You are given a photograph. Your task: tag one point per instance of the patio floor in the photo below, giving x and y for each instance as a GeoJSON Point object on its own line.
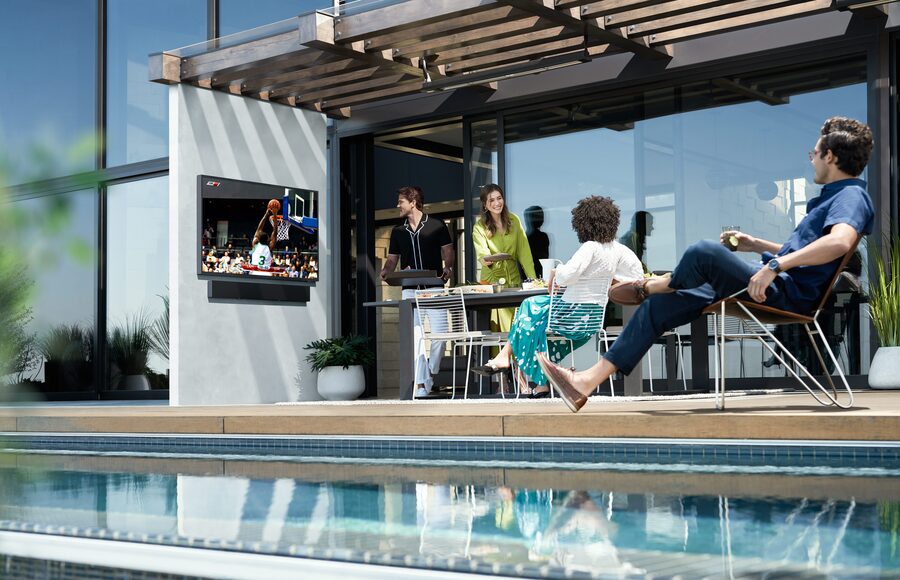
{"type": "Point", "coordinates": [875, 417]}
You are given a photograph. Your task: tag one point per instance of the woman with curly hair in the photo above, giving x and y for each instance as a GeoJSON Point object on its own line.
{"type": "Point", "coordinates": [500, 232]}
{"type": "Point", "coordinates": [595, 220]}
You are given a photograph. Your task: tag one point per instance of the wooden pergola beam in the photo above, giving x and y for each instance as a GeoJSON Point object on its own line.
{"type": "Point", "coordinates": [331, 70]}
{"type": "Point", "coordinates": [329, 63]}
{"type": "Point", "coordinates": [405, 16]}
{"type": "Point", "coordinates": [407, 37]}
{"type": "Point", "coordinates": [514, 56]}
{"type": "Point", "coordinates": [671, 8]}
{"type": "Point", "coordinates": [316, 78]}
{"type": "Point", "coordinates": [279, 46]}
{"type": "Point", "coordinates": [501, 46]}
{"type": "Point", "coordinates": [592, 27]}
{"type": "Point", "coordinates": [319, 31]}
{"type": "Point", "coordinates": [451, 41]}
{"type": "Point", "coordinates": [794, 10]}
{"type": "Point", "coordinates": [703, 16]}
{"type": "Point", "coordinates": [165, 68]}
{"type": "Point", "coordinates": [293, 61]}
{"type": "Point", "coordinates": [604, 7]}
{"type": "Point", "coordinates": [394, 91]}
{"type": "Point", "coordinates": [259, 77]}
{"type": "Point", "coordinates": [306, 96]}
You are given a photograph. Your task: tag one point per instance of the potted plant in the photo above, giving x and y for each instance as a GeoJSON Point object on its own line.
{"type": "Point", "coordinates": [339, 362]}
{"type": "Point", "coordinates": [158, 331]}
{"type": "Point", "coordinates": [67, 351]}
{"type": "Point", "coordinates": [129, 351]}
{"type": "Point", "coordinates": [884, 310]}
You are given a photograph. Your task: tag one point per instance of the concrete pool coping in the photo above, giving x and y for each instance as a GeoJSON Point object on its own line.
{"type": "Point", "coordinates": [783, 416]}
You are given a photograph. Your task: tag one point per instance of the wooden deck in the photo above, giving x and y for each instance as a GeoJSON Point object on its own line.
{"type": "Point", "coordinates": [875, 417]}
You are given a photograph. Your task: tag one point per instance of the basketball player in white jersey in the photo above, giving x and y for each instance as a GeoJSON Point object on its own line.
{"type": "Point", "coordinates": [263, 244]}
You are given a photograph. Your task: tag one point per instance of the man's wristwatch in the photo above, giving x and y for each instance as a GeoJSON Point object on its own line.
{"type": "Point", "coordinates": [774, 266]}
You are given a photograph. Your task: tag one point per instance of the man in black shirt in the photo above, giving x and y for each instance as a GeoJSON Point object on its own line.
{"type": "Point", "coordinates": [421, 242]}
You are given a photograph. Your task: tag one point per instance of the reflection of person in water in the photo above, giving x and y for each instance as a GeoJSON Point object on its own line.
{"type": "Point", "coordinates": [635, 239]}
{"type": "Point", "coordinates": [538, 240]}
{"type": "Point", "coordinates": [579, 536]}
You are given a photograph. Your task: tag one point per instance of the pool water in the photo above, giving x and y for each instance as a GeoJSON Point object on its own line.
{"type": "Point", "coordinates": [531, 522]}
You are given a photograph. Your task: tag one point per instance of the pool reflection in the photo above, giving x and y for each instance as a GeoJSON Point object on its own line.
{"type": "Point", "coordinates": [620, 523]}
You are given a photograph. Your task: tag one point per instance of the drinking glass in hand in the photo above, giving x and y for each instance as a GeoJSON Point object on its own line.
{"type": "Point", "coordinates": [731, 241]}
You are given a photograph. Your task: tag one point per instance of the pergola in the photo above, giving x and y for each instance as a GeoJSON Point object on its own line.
{"type": "Point", "coordinates": [331, 62]}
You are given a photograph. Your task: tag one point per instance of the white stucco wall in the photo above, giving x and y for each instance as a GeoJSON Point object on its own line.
{"type": "Point", "coordinates": [232, 352]}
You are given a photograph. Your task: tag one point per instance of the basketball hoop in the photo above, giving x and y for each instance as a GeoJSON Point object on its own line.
{"type": "Point", "coordinates": [283, 230]}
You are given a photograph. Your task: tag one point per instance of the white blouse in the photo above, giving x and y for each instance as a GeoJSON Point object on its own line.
{"type": "Point", "coordinates": [585, 273]}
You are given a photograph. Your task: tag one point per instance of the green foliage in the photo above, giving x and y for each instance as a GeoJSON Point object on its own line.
{"type": "Point", "coordinates": [884, 292]}
{"type": "Point", "coordinates": [342, 351]}
{"type": "Point", "coordinates": [129, 346]}
{"type": "Point", "coordinates": [889, 521]}
{"type": "Point", "coordinates": [16, 344]}
{"type": "Point", "coordinates": [159, 331]}
{"type": "Point", "coordinates": [66, 343]}
{"type": "Point", "coordinates": [30, 237]}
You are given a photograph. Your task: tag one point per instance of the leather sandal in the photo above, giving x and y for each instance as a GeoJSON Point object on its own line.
{"type": "Point", "coordinates": [488, 370]}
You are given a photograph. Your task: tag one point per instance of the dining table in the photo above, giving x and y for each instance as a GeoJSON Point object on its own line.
{"type": "Point", "coordinates": [479, 305]}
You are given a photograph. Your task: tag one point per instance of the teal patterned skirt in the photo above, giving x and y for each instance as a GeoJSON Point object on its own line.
{"type": "Point", "coordinates": [528, 335]}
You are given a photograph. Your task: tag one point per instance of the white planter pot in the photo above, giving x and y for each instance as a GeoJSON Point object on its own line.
{"type": "Point", "coordinates": [340, 384]}
{"type": "Point", "coordinates": [135, 383]}
{"type": "Point", "coordinates": [884, 373]}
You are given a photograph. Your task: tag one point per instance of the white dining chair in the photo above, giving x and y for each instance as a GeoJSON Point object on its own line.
{"type": "Point", "coordinates": [442, 317]}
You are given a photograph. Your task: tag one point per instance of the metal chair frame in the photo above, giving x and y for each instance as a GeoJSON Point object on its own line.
{"type": "Point", "coordinates": [765, 316]}
{"type": "Point", "coordinates": [452, 302]}
{"type": "Point", "coordinates": [557, 328]}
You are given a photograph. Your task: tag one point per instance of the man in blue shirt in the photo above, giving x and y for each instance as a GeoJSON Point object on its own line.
{"type": "Point", "coordinates": [792, 276]}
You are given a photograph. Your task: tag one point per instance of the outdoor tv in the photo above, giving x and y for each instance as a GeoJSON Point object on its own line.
{"type": "Point", "coordinates": [257, 232]}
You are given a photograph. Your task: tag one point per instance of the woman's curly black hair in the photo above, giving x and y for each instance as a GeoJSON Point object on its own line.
{"type": "Point", "coordinates": [596, 219]}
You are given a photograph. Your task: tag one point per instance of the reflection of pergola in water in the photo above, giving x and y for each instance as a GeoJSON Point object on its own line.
{"type": "Point", "coordinates": [331, 62]}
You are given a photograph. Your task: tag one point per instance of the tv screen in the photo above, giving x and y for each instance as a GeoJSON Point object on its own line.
{"type": "Point", "coordinates": [257, 232]}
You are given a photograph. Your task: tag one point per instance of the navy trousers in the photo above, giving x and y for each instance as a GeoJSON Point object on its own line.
{"type": "Point", "coordinates": [707, 273]}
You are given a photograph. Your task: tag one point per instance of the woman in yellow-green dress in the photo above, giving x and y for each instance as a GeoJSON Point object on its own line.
{"type": "Point", "coordinates": [498, 231]}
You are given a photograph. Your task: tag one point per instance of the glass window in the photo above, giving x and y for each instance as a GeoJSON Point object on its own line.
{"type": "Point", "coordinates": [684, 162]}
{"type": "Point", "coordinates": [483, 168]}
{"type": "Point", "coordinates": [58, 241]}
{"type": "Point", "coordinates": [239, 15]}
{"type": "Point", "coordinates": [137, 110]}
{"type": "Point", "coordinates": [137, 284]}
{"type": "Point", "coordinates": [726, 160]}
{"type": "Point", "coordinates": [49, 73]}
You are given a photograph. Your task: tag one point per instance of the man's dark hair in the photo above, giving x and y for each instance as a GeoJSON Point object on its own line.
{"type": "Point", "coordinates": [264, 239]}
{"type": "Point", "coordinates": [595, 219]}
{"type": "Point", "coordinates": [848, 140]}
{"type": "Point", "coordinates": [413, 195]}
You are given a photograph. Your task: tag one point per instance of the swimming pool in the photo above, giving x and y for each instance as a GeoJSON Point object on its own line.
{"type": "Point", "coordinates": [644, 514]}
